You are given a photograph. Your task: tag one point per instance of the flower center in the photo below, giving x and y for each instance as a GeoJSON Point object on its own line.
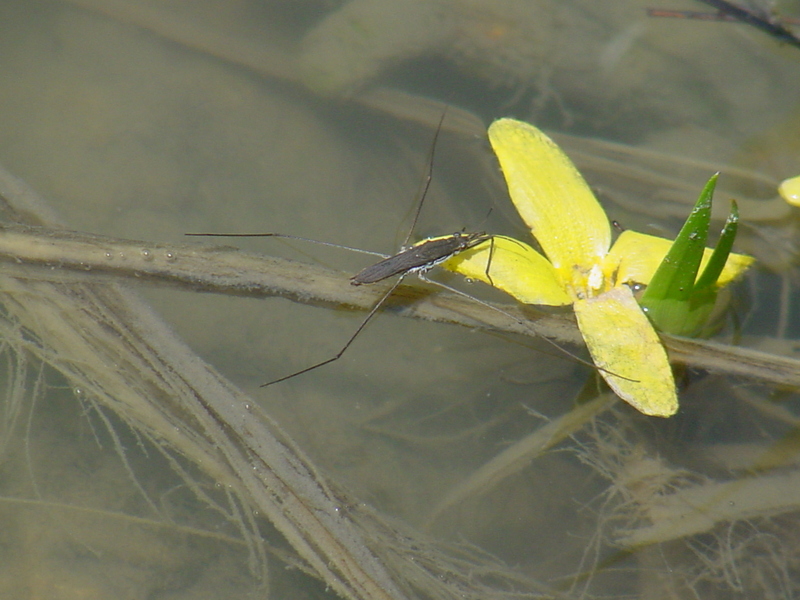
{"type": "Point", "coordinates": [587, 283]}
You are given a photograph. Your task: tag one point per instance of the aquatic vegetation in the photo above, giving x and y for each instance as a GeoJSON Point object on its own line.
{"type": "Point", "coordinates": [580, 266]}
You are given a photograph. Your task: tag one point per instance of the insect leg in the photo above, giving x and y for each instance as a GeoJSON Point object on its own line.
{"type": "Point", "coordinates": [373, 311]}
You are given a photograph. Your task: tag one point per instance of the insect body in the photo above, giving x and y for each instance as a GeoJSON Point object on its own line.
{"type": "Point", "coordinates": [419, 258]}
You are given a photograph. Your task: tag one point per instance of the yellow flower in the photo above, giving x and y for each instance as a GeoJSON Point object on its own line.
{"type": "Point", "coordinates": [581, 267]}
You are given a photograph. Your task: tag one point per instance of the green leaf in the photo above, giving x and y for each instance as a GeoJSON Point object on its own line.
{"type": "Point", "coordinates": [674, 279]}
{"type": "Point", "coordinates": [720, 255]}
{"type": "Point", "coordinates": [672, 300]}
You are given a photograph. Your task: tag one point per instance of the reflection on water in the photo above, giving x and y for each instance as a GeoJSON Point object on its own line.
{"type": "Point", "coordinates": [146, 120]}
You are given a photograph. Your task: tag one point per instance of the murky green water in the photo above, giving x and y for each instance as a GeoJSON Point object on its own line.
{"type": "Point", "coordinates": [148, 119]}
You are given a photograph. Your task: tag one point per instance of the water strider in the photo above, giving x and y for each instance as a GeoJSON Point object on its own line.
{"type": "Point", "coordinates": [417, 258]}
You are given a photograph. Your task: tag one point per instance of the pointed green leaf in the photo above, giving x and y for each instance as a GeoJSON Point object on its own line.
{"type": "Point", "coordinates": [672, 300]}
{"type": "Point", "coordinates": [720, 255]}
{"type": "Point", "coordinates": [674, 279]}
{"type": "Point", "coordinates": [704, 295]}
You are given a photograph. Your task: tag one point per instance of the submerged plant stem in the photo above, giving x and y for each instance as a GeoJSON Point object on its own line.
{"type": "Point", "coordinates": [57, 255]}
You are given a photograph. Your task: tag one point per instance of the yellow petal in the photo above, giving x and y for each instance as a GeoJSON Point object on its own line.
{"type": "Point", "coordinates": [514, 267]}
{"type": "Point", "coordinates": [636, 256]}
{"type": "Point", "coordinates": [622, 341]}
{"type": "Point", "coordinates": [551, 196]}
{"type": "Point", "coordinates": [789, 190]}
{"type": "Point", "coordinates": [734, 266]}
